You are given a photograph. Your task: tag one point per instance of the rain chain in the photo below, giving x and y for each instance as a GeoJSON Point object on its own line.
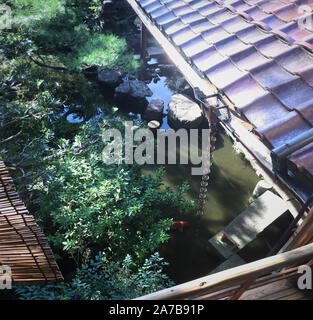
{"type": "Point", "coordinates": [205, 179]}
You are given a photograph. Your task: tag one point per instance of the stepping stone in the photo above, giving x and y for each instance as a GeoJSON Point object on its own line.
{"type": "Point", "coordinates": [249, 224]}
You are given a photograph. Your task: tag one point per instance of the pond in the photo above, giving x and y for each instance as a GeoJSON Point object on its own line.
{"type": "Point", "coordinates": [231, 183]}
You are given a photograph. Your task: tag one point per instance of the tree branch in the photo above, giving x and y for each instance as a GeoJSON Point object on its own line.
{"type": "Point", "coordinates": [41, 64]}
{"type": "Point", "coordinates": [13, 122]}
{"type": "Point", "coordinates": [44, 65]}
{"type": "Point", "coordinates": [11, 138]}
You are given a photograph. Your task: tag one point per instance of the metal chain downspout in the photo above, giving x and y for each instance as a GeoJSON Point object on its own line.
{"type": "Point", "coordinates": [208, 161]}
{"type": "Point", "coordinates": [205, 179]}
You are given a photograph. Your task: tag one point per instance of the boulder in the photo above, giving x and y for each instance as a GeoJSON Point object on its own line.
{"type": "Point", "coordinates": [154, 110]}
{"type": "Point", "coordinates": [184, 113]}
{"type": "Point", "coordinates": [133, 88]}
{"type": "Point", "coordinates": [181, 84]}
{"type": "Point", "coordinates": [145, 75]}
{"type": "Point", "coordinates": [109, 77]}
{"type": "Point", "coordinates": [131, 95]}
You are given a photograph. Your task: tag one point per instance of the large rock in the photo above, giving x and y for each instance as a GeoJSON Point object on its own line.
{"type": "Point", "coordinates": [109, 77]}
{"type": "Point", "coordinates": [131, 95]}
{"type": "Point", "coordinates": [154, 110]}
{"type": "Point", "coordinates": [133, 88]}
{"type": "Point", "coordinates": [181, 84]}
{"type": "Point", "coordinates": [183, 113]}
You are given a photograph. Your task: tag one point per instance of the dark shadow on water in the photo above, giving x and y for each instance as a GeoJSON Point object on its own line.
{"type": "Point", "coordinates": [230, 186]}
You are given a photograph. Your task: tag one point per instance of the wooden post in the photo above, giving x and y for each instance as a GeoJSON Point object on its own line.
{"type": "Point", "coordinates": [143, 42]}
{"type": "Point", "coordinates": [242, 289]}
{"type": "Point", "coordinates": [303, 235]}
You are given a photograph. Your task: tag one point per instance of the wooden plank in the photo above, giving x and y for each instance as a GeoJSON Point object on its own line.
{"type": "Point", "coordinates": [259, 215]}
{"type": "Point", "coordinates": [279, 290]}
{"type": "Point", "coordinates": [251, 222]}
{"type": "Point", "coordinates": [302, 235]}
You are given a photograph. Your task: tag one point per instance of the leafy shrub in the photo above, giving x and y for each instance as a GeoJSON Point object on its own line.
{"type": "Point", "coordinates": [103, 50]}
{"type": "Point", "coordinates": [95, 206]}
{"type": "Point", "coordinates": [105, 281]}
{"type": "Point", "coordinates": [83, 205]}
{"type": "Point", "coordinates": [69, 30]}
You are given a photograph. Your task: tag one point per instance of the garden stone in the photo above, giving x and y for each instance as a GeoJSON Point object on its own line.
{"type": "Point", "coordinates": [184, 113]}
{"type": "Point", "coordinates": [109, 77]}
{"type": "Point", "coordinates": [154, 110]}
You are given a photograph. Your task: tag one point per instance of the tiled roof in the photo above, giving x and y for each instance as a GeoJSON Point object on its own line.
{"type": "Point", "coordinates": [254, 52]}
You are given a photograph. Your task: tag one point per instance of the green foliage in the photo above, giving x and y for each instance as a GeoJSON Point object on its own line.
{"type": "Point", "coordinates": [30, 80]}
{"type": "Point", "coordinates": [103, 50]}
{"type": "Point", "coordinates": [68, 29]}
{"type": "Point", "coordinates": [14, 44]}
{"type": "Point", "coordinates": [96, 206]}
{"type": "Point", "coordinates": [30, 122]}
{"type": "Point", "coordinates": [105, 281]}
{"type": "Point", "coordinates": [83, 205]}
{"type": "Point", "coordinates": [29, 12]}
{"type": "Point", "coordinates": [33, 104]}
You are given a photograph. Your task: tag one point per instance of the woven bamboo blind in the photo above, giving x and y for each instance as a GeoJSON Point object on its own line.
{"type": "Point", "coordinates": [23, 246]}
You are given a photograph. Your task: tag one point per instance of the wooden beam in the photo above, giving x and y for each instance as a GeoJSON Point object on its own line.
{"type": "Point", "coordinates": [143, 41]}
{"type": "Point", "coordinates": [303, 235]}
{"type": "Point", "coordinates": [233, 276]}
{"type": "Point", "coordinates": [261, 281]}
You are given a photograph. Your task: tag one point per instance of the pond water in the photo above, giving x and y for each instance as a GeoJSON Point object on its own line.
{"type": "Point", "coordinates": [232, 180]}
{"type": "Point", "coordinates": [231, 184]}
{"type": "Point", "coordinates": [161, 90]}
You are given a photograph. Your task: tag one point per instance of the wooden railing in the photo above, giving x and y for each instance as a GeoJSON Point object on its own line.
{"type": "Point", "coordinates": [232, 278]}
{"type": "Point", "coordinates": [302, 236]}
